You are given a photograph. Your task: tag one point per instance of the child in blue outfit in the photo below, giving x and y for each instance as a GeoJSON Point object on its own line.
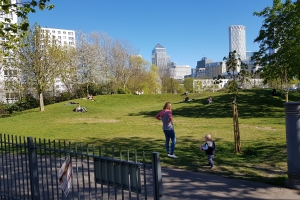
{"type": "Point", "coordinates": [209, 147]}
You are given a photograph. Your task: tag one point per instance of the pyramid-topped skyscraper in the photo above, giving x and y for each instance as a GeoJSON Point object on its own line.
{"type": "Point", "coordinates": [160, 57]}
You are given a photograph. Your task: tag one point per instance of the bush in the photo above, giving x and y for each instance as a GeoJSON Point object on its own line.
{"type": "Point", "coordinates": [3, 108]}
{"type": "Point", "coordinates": [123, 91]}
{"type": "Point", "coordinates": [28, 102]}
{"type": "Point", "coordinates": [65, 96]}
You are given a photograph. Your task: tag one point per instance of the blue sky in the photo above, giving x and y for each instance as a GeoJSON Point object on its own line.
{"type": "Point", "coordinates": [188, 29]}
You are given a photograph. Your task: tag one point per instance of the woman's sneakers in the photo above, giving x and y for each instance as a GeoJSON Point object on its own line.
{"type": "Point", "coordinates": [172, 155]}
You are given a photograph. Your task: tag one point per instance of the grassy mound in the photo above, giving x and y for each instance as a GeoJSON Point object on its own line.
{"type": "Point", "coordinates": [127, 121]}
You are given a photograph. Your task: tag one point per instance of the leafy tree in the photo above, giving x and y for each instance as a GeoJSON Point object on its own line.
{"type": "Point", "coordinates": [12, 32]}
{"type": "Point", "coordinates": [189, 84]}
{"type": "Point", "coordinates": [151, 83]}
{"type": "Point", "coordinates": [41, 60]}
{"type": "Point", "coordinates": [172, 86]}
{"type": "Point", "coordinates": [280, 32]}
{"type": "Point", "coordinates": [239, 74]}
{"type": "Point", "coordinates": [139, 68]}
{"type": "Point", "coordinates": [198, 87]}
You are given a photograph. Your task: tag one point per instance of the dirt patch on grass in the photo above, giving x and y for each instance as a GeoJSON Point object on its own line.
{"type": "Point", "coordinates": [88, 120]}
{"type": "Point", "coordinates": [268, 128]}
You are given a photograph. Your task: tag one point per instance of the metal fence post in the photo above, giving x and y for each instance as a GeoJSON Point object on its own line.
{"type": "Point", "coordinates": [292, 119]}
{"type": "Point", "coordinates": [157, 178]}
{"type": "Point", "coordinates": [33, 170]}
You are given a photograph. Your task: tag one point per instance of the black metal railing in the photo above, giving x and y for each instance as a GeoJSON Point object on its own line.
{"type": "Point", "coordinates": [30, 168]}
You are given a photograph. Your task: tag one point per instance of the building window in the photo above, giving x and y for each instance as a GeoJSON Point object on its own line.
{"type": "Point", "coordinates": [64, 32]}
{"type": "Point", "coordinates": [71, 43]}
{"type": "Point", "coordinates": [64, 37]}
{"type": "Point", "coordinates": [58, 32]}
{"type": "Point", "coordinates": [70, 33]}
{"type": "Point", "coordinates": [59, 37]}
{"type": "Point", "coordinates": [11, 73]}
{"type": "Point", "coordinates": [12, 96]}
{"type": "Point", "coordinates": [53, 31]}
{"type": "Point", "coordinates": [71, 38]}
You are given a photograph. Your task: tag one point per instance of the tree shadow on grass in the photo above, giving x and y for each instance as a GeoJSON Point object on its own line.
{"type": "Point", "coordinates": [257, 161]}
{"type": "Point", "coordinates": [251, 104]}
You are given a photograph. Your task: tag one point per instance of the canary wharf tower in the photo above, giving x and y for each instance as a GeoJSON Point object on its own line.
{"type": "Point", "coordinates": [160, 57]}
{"type": "Point", "coordinates": [237, 40]}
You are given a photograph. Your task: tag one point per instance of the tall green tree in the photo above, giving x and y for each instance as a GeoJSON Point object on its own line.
{"type": "Point", "coordinates": [279, 33]}
{"type": "Point", "coordinates": [41, 61]}
{"type": "Point", "coordinates": [189, 84]}
{"type": "Point", "coordinates": [13, 32]}
{"type": "Point", "coordinates": [151, 84]}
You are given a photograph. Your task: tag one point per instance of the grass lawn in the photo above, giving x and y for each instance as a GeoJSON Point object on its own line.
{"type": "Point", "coordinates": [127, 121]}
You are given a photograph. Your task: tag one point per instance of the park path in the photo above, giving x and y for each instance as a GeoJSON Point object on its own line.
{"type": "Point", "coordinates": [183, 184]}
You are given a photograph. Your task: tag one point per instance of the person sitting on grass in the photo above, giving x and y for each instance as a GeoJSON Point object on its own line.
{"type": "Point", "coordinates": [209, 100]}
{"type": "Point", "coordinates": [186, 99]}
{"type": "Point", "coordinates": [90, 97]}
{"type": "Point", "coordinates": [209, 147]}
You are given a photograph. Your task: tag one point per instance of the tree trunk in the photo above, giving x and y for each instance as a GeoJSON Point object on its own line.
{"type": "Point", "coordinates": [236, 129]}
{"type": "Point", "coordinates": [42, 108]}
{"type": "Point", "coordinates": [87, 90]}
{"type": "Point", "coordinates": [286, 96]}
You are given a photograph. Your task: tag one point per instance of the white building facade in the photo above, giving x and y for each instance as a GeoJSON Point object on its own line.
{"type": "Point", "coordinates": [180, 71]}
{"type": "Point", "coordinates": [9, 77]}
{"type": "Point", "coordinates": [237, 40]}
{"type": "Point", "coordinates": [64, 37]}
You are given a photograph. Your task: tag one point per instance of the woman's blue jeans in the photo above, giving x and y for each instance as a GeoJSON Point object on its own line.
{"type": "Point", "coordinates": [170, 135]}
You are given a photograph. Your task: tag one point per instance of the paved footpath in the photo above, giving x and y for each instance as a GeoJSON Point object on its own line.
{"type": "Point", "coordinates": [182, 184]}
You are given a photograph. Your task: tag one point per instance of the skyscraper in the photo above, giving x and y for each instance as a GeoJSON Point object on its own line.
{"type": "Point", "coordinates": [160, 57]}
{"type": "Point", "coordinates": [237, 40]}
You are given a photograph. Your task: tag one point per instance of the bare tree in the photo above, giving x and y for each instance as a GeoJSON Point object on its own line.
{"type": "Point", "coordinates": [89, 57]}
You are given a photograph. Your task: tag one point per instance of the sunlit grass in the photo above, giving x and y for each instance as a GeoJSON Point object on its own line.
{"type": "Point", "coordinates": [127, 121]}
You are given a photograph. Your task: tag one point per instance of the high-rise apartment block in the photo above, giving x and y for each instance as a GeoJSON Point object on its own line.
{"type": "Point", "coordinates": [9, 76]}
{"type": "Point", "coordinates": [160, 57]}
{"type": "Point", "coordinates": [62, 36]}
{"type": "Point", "coordinates": [237, 40]}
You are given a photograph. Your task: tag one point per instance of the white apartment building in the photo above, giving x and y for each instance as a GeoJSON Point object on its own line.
{"type": "Point", "coordinates": [9, 77]}
{"type": "Point", "coordinates": [63, 37]}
